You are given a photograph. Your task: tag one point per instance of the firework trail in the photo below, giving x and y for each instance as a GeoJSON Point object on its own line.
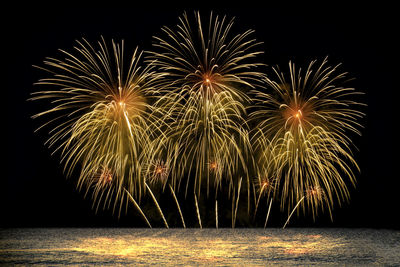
{"type": "Point", "coordinates": [156, 171]}
{"type": "Point", "coordinates": [216, 214]}
{"type": "Point", "coordinates": [100, 117]}
{"type": "Point", "coordinates": [302, 132]}
{"type": "Point", "coordinates": [137, 207]}
{"type": "Point", "coordinates": [197, 211]}
{"type": "Point", "coordinates": [157, 205]}
{"type": "Point", "coordinates": [178, 206]}
{"type": "Point", "coordinates": [269, 209]}
{"type": "Point", "coordinates": [266, 186]}
{"type": "Point", "coordinates": [206, 73]}
{"type": "Point", "coordinates": [237, 204]}
{"type": "Point", "coordinates": [316, 194]}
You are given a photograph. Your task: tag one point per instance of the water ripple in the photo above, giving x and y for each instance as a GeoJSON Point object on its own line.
{"type": "Point", "coordinates": [193, 247]}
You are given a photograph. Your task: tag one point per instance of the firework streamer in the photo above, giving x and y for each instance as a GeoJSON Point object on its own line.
{"type": "Point", "coordinates": [198, 211]}
{"type": "Point", "coordinates": [316, 194]}
{"type": "Point", "coordinates": [269, 209]}
{"type": "Point", "coordinates": [158, 206]}
{"type": "Point", "coordinates": [302, 134]}
{"type": "Point", "coordinates": [267, 186]}
{"type": "Point", "coordinates": [206, 73]}
{"type": "Point", "coordinates": [137, 207]}
{"type": "Point", "coordinates": [177, 204]}
{"type": "Point", "coordinates": [100, 117]}
{"type": "Point", "coordinates": [216, 214]}
{"type": "Point", "coordinates": [295, 207]}
{"type": "Point", "coordinates": [233, 208]}
{"type": "Point", "coordinates": [157, 173]}
{"type": "Point", "coordinates": [254, 194]}
{"type": "Point", "coordinates": [258, 201]}
{"type": "Point", "coordinates": [237, 203]}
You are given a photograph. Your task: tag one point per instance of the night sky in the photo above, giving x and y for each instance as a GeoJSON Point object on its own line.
{"type": "Point", "coordinates": [34, 190]}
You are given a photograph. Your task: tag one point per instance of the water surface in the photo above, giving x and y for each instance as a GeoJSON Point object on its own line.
{"type": "Point", "coordinates": [193, 247]}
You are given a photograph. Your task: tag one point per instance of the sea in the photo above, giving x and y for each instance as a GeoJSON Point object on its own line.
{"type": "Point", "coordinates": [199, 247]}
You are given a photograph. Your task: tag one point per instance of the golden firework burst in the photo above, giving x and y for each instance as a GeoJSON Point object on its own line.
{"type": "Point", "coordinates": [206, 73]}
{"type": "Point", "coordinates": [101, 116]}
{"type": "Point", "coordinates": [157, 172]}
{"type": "Point", "coordinates": [302, 133]}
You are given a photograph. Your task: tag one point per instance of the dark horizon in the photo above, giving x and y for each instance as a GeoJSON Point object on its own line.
{"type": "Point", "coordinates": [362, 38]}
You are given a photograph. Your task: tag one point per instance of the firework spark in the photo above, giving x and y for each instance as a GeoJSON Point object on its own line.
{"type": "Point", "coordinates": [177, 205]}
{"type": "Point", "coordinates": [198, 211]}
{"type": "Point", "coordinates": [314, 194]}
{"type": "Point", "coordinates": [302, 134]}
{"type": "Point", "coordinates": [157, 205]}
{"type": "Point", "coordinates": [100, 116]}
{"type": "Point", "coordinates": [267, 186]}
{"type": "Point", "coordinates": [206, 72]}
{"type": "Point", "coordinates": [234, 215]}
{"type": "Point", "coordinates": [123, 128]}
{"type": "Point", "coordinates": [216, 214]}
{"type": "Point", "coordinates": [137, 207]}
{"type": "Point", "coordinates": [157, 172]}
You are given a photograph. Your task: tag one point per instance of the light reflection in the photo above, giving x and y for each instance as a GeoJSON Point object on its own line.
{"type": "Point", "coordinates": [192, 247]}
{"type": "Point", "coordinates": [301, 245]}
{"type": "Point", "coordinates": [216, 250]}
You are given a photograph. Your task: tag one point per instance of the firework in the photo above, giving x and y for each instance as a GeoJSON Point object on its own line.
{"type": "Point", "coordinates": [124, 129]}
{"type": "Point", "coordinates": [206, 73]}
{"type": "Point", "coordinates": [197, 211]}
{"type": "Point", "coordinates": [302, 134]}
{"type": "Point", "coordinates": [269, 209]}
{"type": "Point", "coordinates": [216, 214]}
{"type": "Point", "coordinates": [137, 207]}
{"type": "Point", "coordinates": [267, 186]}
{"type": "Point", "coordinates": [314, 194]}
{"type": "Point", "coordinates": [157, 171]}
{"type": "Point", "coordinates": [100, 116]}
{"type": "Point", "coordinates": [157, 205]}
{"type": "Point", "coordinates": [177, 205]}
{"type": "Point", "coordinates": [237, 203]}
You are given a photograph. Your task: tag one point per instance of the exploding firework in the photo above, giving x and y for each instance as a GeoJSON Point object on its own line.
{"type": "Point", "coordinates": [313, 195]}
{"type": "Point", "coordinates": [157, 172]}
{"type": "Point", "coordinates": [206, 72]}
{"type": "Point", "coordinates": [125, 129]}
{"type": "Point", "coordinates": [302, 134]}
{"type": "Point", "coordinates": [266, 186]}
{"type": "Point", "coordinates": [100, 116]}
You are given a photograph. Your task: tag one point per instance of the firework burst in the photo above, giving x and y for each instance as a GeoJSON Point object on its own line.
{"type": "Point", "coordinates": [100, 116]}
{"type": "Point", "coordinates": [266, 186]}
{"type": "Point", "coordinates": [313, 195]}
{"type": "Point", "coordinates": [123, 129]}
{"type": "Point", "coordinates": [206, 72]}
{"type": "Point", "coordinates": [157, 172]}
{"type": "Point", "coordinates": [302, 134]}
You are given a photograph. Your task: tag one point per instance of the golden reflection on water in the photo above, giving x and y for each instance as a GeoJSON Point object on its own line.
{"type": "Point", "coordinates": [297, 246]}
{"type": "Point", "coordinates": [144, 247]}
{"type": "Point", "coordinates": [194, 247]}
{"type": "Point", "coordinates": [213, 251]}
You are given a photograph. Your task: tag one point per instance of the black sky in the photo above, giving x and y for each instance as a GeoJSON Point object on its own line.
{"type": "Point", "coordinates": [34, 191]}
